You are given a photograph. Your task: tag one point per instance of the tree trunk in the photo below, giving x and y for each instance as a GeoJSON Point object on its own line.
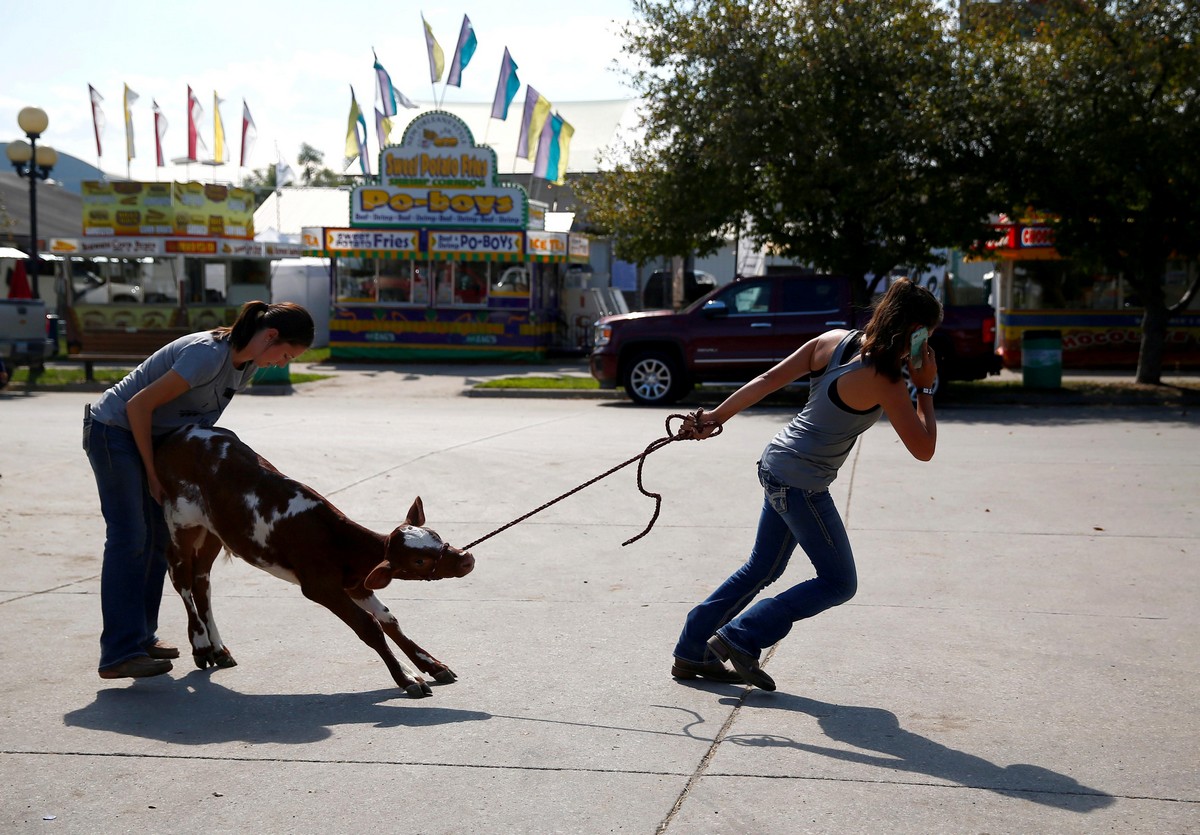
{"type": "Point", "coordinates": [1154, 338]}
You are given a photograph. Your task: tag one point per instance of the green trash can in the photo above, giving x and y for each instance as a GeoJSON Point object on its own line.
{"type": "Point", "coordinates": [272, 376]}
{"type": "Point", "coordinates": [1041, 359]}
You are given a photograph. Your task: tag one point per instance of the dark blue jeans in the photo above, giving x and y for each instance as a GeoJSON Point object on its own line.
{"type": "Point", "coordinates": [135, 562]}
{"type": "Point", "coordinates": [790, 516]}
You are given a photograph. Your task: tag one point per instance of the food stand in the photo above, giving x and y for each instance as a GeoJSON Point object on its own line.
{"type": "Point", "coordinates": [156, 261]}
{"type": "Point", "coordinates": [1099, 317]}
{"type": "Point", "coordinates": [441, 260]}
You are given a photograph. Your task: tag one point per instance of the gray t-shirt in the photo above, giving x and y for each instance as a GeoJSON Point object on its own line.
{"type": "Point", "coordinates": [202, 359]}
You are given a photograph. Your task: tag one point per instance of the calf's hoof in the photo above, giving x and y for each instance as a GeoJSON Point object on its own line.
{"type": "Point", "coordinates": [445, 676]}
{"type": "Point", "coordinates": [418, 690]}
{"type": "Point", "coordinates": [206, 658]}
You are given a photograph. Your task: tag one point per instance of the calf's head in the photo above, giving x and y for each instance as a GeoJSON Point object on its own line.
{"type": "Point", "coordinates": [416, 553]}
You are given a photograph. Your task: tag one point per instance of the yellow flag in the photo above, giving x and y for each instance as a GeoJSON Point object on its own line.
{"type": "Point", "coordinates": [130, 98]}
{"type": "Point", "coordinates": [355, 140]}
{"type": "Point", "coordinates": [541, 112]}
{"type": "Point", "coordinates": [564, 145]}
{"type": "Point", "coordinates": [437, 58]}
{"type": "Point", "coordinates": [218, 130]}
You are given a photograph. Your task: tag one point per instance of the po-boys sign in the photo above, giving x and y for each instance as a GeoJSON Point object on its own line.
{"type": "Point", "coordinates": [438, 176]}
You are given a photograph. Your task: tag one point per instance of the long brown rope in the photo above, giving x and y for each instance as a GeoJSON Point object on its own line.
{"type": "Point", "coordinates": [657, 444]}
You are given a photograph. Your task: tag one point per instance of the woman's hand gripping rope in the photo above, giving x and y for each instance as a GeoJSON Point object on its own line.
{"type": "Point", "coordinates": [692, 428]}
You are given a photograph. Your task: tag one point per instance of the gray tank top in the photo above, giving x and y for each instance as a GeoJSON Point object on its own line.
{"type": "Point", "coordinates": [808, 452]}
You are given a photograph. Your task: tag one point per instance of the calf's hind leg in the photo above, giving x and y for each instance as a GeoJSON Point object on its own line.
{"type": "Point", "coordinates": [425, 662]}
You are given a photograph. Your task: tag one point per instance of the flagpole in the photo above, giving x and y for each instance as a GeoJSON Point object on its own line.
{"type": "Point", "coordinates": [278, 193]}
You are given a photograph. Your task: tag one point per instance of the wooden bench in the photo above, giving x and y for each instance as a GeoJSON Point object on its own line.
{"type": "Point", "coordinates": [120, 346]}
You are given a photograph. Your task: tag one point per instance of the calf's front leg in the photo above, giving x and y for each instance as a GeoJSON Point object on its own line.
{"type": "Point", "coordinates": [425, 662]}
{"type": "Point", "coordinates": [329, 593]}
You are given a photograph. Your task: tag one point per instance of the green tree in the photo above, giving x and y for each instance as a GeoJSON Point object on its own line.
{"type": "Point", "coordinates": [1102, 110]}
{"type": "Point", "coordinates": [830, 130]}
{"type": "Point", "coordinates": [261, 181]}
{"type": "Point", "coordinates": [313, 171]}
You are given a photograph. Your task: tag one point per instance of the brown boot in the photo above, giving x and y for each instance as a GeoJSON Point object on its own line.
{"type": "Point", "coordinates": [158, 649]}
{"type": "Point", "coordinates": [139, 666]}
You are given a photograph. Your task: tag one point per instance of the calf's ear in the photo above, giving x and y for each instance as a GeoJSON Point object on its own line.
{"type": "Point", "coordinates": [380, 576]}
{"type": "Point", "coordinates": [416, 513]}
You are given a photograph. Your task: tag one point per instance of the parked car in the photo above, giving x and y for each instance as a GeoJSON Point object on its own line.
{"type": "Point", "coordinates": [740, 330]}
{"type": "Point", "coordinates": [656, 293]}
{"type": "Point", "coordinates": [94, 289]}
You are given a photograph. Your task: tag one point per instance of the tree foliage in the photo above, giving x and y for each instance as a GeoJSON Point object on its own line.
{"type": "Point", "coordinates": [860, 136]}
{"type": "Point", "coordinates": [313, 172]}
{"type": "Point", "coordinates": [819, 127]}
{"type": "Point", "coordinates": [1106, 111]}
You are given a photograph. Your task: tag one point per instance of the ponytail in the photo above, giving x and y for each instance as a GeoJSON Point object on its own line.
{"type": "Point", "coordinates": [294, 323]}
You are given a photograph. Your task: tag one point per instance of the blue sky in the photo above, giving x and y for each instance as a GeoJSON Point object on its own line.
{"type": "Point", "coordinates": [292, 62]}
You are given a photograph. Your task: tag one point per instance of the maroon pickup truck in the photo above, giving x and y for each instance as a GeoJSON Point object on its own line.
{"type": "Point", "coordinates": [742, 329]}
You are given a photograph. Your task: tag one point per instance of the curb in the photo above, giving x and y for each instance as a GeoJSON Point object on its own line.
{"type": "Point", "coordinates": [543, 394]}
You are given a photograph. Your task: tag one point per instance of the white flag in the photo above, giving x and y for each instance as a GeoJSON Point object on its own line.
{"type": "Point", "coordinates": [97, 116]}
{"type": "Point", "coordinates": [284, 174]}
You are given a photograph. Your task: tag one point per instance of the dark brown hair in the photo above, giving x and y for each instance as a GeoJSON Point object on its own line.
{"type": "Point", "coordinates": [886, 336]}
{"type": "Point", "coordinates": [294, 323]}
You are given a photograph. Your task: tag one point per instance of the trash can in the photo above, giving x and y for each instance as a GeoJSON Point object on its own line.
{"type": "Point", "coordinates": [1041, 359]}
{"type": "Point", "coordinates": [272, 380]}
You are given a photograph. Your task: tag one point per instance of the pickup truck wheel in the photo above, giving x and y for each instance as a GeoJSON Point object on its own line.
{"type": "Point", "coordinates": [655, 379]}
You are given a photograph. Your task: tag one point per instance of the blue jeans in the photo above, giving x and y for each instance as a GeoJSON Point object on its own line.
{"type": "Point", "coordinates": [790, 516]}
{"type": "Point", "coordinates": [135, 562]}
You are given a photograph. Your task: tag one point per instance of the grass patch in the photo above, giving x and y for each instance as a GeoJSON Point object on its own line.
{"type": "Point", "coordinates": [65, 376]}
{"type": "Point", "coordinates": [314, 355]}
{"type": "Point", "coordinates": [561, 383]}
{"type": "Point", "coordinates": [295, 379]}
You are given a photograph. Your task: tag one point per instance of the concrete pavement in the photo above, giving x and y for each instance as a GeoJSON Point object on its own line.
{"type": "Point", "coordinates": [1022, 655]}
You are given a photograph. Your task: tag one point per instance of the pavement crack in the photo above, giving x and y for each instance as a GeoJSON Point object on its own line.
{"type": "Point", "coordinates": [708, 757]}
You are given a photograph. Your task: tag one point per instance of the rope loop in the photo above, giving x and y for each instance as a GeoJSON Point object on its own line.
{"type": "Point", "coordinates": [685, 432]}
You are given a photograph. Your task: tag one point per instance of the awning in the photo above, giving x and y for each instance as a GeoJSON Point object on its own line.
{"type": "Point", "coordinates": [9, 252]}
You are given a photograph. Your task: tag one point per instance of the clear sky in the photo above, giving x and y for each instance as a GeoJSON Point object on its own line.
{"type": "Point", "coordinates": [292, 62]}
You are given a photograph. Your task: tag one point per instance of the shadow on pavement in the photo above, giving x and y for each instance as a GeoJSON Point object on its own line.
{"type": "Point", "coordinates": [883, 743]}
{"type": "Point", "coordinates": [194, 710]}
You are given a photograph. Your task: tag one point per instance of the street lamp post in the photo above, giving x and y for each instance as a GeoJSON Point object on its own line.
{"type": "Point", "coordinates": [34, 164]}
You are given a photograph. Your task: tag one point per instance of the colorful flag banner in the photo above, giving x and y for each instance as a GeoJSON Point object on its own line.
{"type": "Point", "coordinates": [160, 130]}
{"type": "Point", "coordinates": [356, 139]}
{"type": "Point", "coordinates": [565, 132]}
{"type": "Point", "coordinates": [130, 98]}
{"type": "Point", "coordinates": [537, 109]}
{"type": "Point", "coordinates": [249, 133]}
{"type": "Point", "coordinates": [462, 53]}
{"type": "Point", "coordinates": [383, 129]}
{"type": "Point", "coordinates": [547, 149]}
{"type": "Point", "coordinates": [283, 174]}
{"type": "Point", "coordinates": [218, 130]}
{"type": "Point", "coordinates": [437, 58]}
{"type": "Point", "coordinates": [195, 140]}
{"type": "Point", "coordinates": [506, 87]}
{"type": "Point", "coordinates": [385, 92]}
{"type": "Point", "coordinates": [97, 116]}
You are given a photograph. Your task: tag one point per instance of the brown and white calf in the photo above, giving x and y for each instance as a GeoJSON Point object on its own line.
{"type": "Point", "coordinates": [220, 493]}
